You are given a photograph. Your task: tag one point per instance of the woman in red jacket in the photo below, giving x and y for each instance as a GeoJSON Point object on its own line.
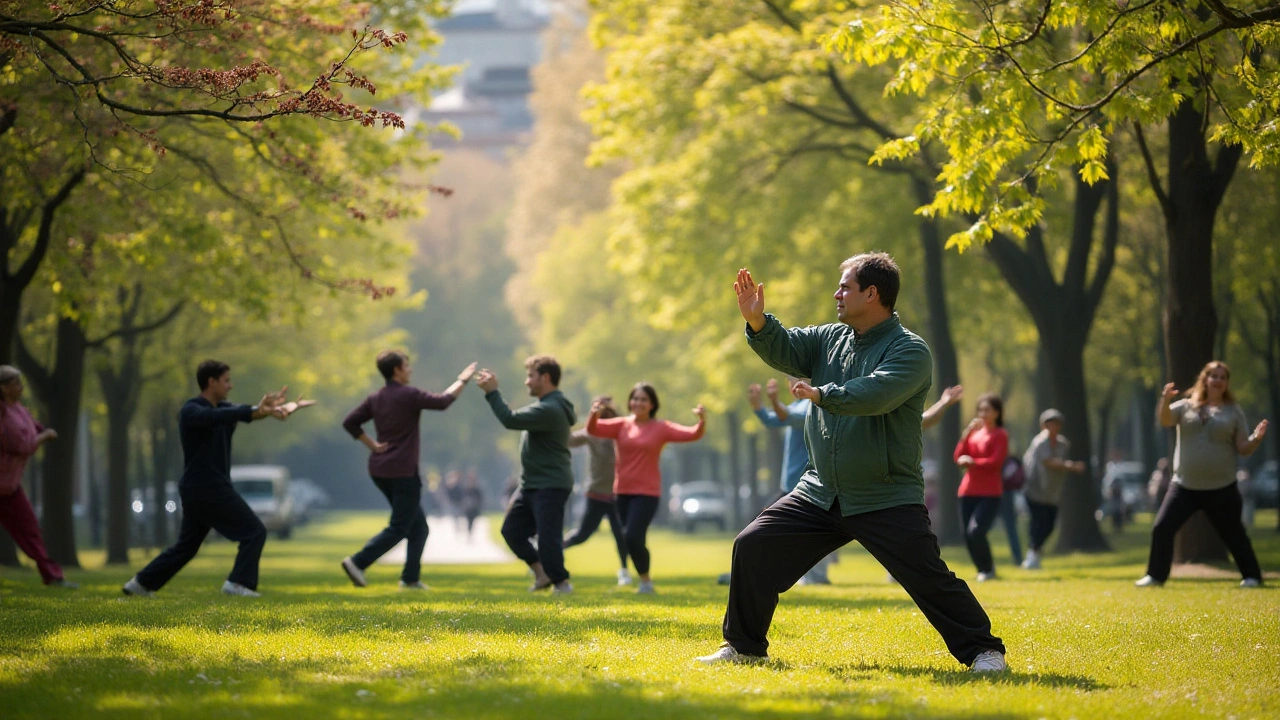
{"type": "Point", "coordinates": [637, 479]}
{"type": "Point", "coordinates": [981, 453]}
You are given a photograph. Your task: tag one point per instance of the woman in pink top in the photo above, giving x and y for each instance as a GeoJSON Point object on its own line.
{"type": "Point", "coordinates": [981, 452]}
{"type": "Point", "coordinates": [20, 437]}
{"type": "Point", "coordinates": [637, 479]}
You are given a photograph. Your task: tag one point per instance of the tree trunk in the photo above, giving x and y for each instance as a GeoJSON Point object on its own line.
{"type": "Point", "coordinates": [773, 478]}
{"type": "Point", "coordinates": [735, 467]}
{"type": "Point", "coordinates": [60, 392]}
{"type": "Point", "coordinates": [120, 389]}
{"type": "Point", "coordinates": [1063, 313]}
{"type": "Point", "coordinates": [161, 453]}
{"type": "Point", "coordinates": [1196, 188]}
{"type": "Point", "coordinates": [946, 371]}
{"type": "Point", "coordinates": [753, 475]}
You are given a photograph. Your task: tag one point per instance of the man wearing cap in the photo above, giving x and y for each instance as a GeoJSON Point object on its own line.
{"type": "Point", "coordinates": [20, 437]}
{"type": "Point", "coordinates": [1046, 466]}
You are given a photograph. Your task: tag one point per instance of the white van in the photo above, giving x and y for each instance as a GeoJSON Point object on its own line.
{"type": "Point", "coordinates": [266, 489]}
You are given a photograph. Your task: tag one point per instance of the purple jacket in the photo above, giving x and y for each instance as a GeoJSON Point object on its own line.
{"type": "Point", "coordinates": [394, 411]}
{"type": "Point", "coordinates": [18, 431]}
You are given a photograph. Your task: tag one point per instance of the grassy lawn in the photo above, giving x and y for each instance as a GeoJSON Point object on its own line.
{"type": "Point", "coordinates": [1083, 642]}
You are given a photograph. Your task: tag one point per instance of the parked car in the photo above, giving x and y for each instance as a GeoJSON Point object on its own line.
{"type": "Point", "coordinates": [142, 502]}
{"type": "Point", "coordinates": [308, 499]}
{"type": "Point", "coordinates": [701, 501]}
{"type": "Point", "coordinates": [266, 489]}
{"type": "Point", "coordinates": [1132, 477]}
{"type": "Point", "coordinates": [1266, 485]}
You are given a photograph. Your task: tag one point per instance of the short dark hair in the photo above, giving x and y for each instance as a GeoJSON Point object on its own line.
{"type": "Point", "coordinates": [544, 365]}
{"type": "Point", "coordinates": [996, 404]}
{"type": "Point", "coordinates": [878, 269]}
{"type": "Point", "coordinates": [210, 370]}
{"type": "Point", "coordinates": [647, 389]}
{"type": "Point", "coordinates": [389, 360]}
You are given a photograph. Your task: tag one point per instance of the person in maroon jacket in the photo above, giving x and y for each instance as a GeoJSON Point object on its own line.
{"type": "Point", "coordinates": [393, 462]}
{"type": "Point", "coordinates": [20, 437]}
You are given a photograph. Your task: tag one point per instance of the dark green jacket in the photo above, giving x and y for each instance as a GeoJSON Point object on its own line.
{"type": "Point", "coordinates": [864, 433]}
{"type": "Point", "coordinates": [544, 444]}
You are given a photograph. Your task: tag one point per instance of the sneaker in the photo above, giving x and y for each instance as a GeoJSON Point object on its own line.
{"type": "Point", "coordinates": [63, 583]}
{"type": "Point", "coordinates": [646, 587]}
{"type": "Point", "coordinates": [985, 576]}
{"type": "Point", "coordinates": [415, 585]}
{"type": "Point", "coordinates": [1032, 561]}
{"type": "Point", "coordinates": [563, 588]}
{"type": "Point", "coordinates": [1250, 583]}
{"type": "Point", "coordinates": [540, 585]}
{"type": "Point", "coordinates": [726, 654]}
{"type": "Point", "coordinates": [230, 588]}
{"type": "Point", "coordinates": [134, 588]}
{"type": "Point", "coordinates": [354, 572]}
{"type": "Point", "coordinates": [624, 576]}
{"type": "Point", "coordinates": [1148, 581]}
{"type": "Point", "coordinates": [989, 661]}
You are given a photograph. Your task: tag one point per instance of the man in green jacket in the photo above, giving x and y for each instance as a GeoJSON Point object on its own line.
{"type": "Point", "coordinates": [546, 470]}
{"type": "Point", "coordinates": [864, 481]}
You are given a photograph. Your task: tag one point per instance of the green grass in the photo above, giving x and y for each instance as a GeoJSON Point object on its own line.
{"type": "Point", "coordinates": [1083, 642]}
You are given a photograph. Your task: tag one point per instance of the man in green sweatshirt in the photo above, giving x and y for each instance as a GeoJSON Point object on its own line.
{"type": "Point", "coordinates": [864, 481]}
{"type": "Point", "coordinates": [546, 470]}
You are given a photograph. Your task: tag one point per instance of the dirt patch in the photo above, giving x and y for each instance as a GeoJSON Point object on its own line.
{"type": "Point", "coordinates": [1198, 570]}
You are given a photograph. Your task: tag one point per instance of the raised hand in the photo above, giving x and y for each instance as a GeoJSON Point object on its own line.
{"type": "Point", "coordinates": [486, 380]}
{"type": "Point", "coordinates": [284, 410]}
{"type": "Point", "coordinates": [271, 400]}
{"type": "Point", "coordinates": [753, 395]}
{"type": "Point", "coordinates": [467, 372]}
{"type": "Point", "coordinates": [1169, 393]}
{"type": "Point", "coordinates": [771, 389]}
{"type": "Point", "coordinates": [973, 425]}
{"type": "Point", "coordinates": [51, 434]}
{"type": "Point", "coordinates": [597, 407]}
{"type": "Point", "coordinates": [701, 412]}
{"type": "Point", "coordinates": [1258, 432]}
{"type": "Point", "coordinates": [953, 394]}
{"type": "Point", "coordinates": [750, 299]}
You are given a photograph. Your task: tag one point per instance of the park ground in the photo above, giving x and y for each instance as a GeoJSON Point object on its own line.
{"type": "Point", "coordinates": [1083, 642]}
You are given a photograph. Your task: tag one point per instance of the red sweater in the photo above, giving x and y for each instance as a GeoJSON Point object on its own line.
{"type": "Point", "coordinates": [639, 449]}
{"type": "Point", "coordinates": [988, 448]}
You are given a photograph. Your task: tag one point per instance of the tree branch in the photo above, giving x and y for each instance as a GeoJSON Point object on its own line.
{"type": "Point", "coordinates": [27, 271]}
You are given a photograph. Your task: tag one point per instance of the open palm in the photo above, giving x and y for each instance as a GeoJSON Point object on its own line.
{"type": "Point", "coordinates": [750, 298]}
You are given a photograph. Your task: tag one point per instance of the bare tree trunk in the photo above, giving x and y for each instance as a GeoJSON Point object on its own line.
{"type": "Point", "coordinates": [161, 454]}
{"type": "Point", "coordinates": [753, 475]}
{"type": "Point", "coordinates": [735, 467]}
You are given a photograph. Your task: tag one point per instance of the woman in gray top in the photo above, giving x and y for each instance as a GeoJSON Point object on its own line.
{"type": "Point", "coordinates": [600, 500]}
{"type": "Point", "coordinates": [1211, 432]}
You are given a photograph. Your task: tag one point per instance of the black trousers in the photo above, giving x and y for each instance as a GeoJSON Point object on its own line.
{"type": "Point", "coordinates": [1043, 519]}
{"type": "Point", "coordinates": [219, 508]}
{"type": "Point", "coordinates": [596, 511]}
{"type": "Point", "coordinates": [789, 537]}
{"type": "Point", "coordinates": [538, 513]}
{"type": "Point", "coordinates": [408, 522]}
{"type": "Point", "coordinates": [977, 515]}
{"type": "Point", "coordinates": [1222, 506]}
{"type": "Point", "coordinates": [636, 512]}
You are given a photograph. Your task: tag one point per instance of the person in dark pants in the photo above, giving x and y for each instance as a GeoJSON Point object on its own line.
{"type": "Point", "coordinates": [206, 424]}
{"type": "Point", "coordinates": [472, 500]}
{"type": "Point", "coordinates": [601, 502]}
{"type": "Point", "coordinates": [1046, 466]}
{"type": "Point", "coordinates": [981, 452]}
{"type": "Point", "coordinates": [1212, 431]}
{"type": "Point", "coordinates": [536, 507]}
{"type": "Point", "coordinates": [870, 377]}
{"type": "Point", "coordinates": [393, 462]}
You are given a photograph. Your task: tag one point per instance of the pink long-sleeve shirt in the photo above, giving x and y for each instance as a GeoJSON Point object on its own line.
{"type": "Point", "coordinates": [988, 448]}
{"type": "Point", "coordinates": [639, 446]}
{"type": "Point", "coordinates": [18, 431]}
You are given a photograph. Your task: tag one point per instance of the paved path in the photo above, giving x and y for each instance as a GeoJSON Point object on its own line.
{"type": "Point", "coordinates": [448, 544]}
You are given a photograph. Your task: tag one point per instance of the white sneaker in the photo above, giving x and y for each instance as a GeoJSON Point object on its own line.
{"type": "Point", "coordinates": [230, 588]}
{"type": "Point", "coordinates": [563, 588]}
{"type": "Point", "coordinates": [726, 654]}
{"type": "Point", "coordinates": [354, 572]}
{"type": "Point", "coordinates": [415, 585]}
{"type": "Point", "coordinates": [646, 587]}
{"type": "Point", "coordinates": [985, 576]}
{"type": "Point", "coordinates": [1032, 561]}
{"type": "Point", "coordinates": [624, 576]}
{"type": "Point", "coordinates": [134, 588]}
{"type": "Point", "coordinates": [1148, 581]}
{"type": "Point", "coordinates": [1250, 583]}
{"type": "Point", "coordinates": [989, 661]}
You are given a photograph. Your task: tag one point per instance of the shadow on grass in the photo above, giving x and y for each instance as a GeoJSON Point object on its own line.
{"type": "Point", "coordinates": [113, 685]}
{"type": "Point", "coordinates": [866, 671]}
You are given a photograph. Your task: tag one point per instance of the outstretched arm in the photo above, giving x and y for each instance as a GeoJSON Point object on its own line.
{"type": "Point", "coordinates": [1163, 412]}
{"type": "Point", "coordinates": [1247, 446]}
{"type": "Point", "coordinates": [933, 415]}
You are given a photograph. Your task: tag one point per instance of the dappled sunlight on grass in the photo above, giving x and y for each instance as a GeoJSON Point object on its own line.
{"type": "Point", "coordinates": [1083, 642]}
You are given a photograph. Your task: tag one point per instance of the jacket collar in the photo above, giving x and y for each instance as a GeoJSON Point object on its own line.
{"type": "Point", "coordinates": [879, 331]}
